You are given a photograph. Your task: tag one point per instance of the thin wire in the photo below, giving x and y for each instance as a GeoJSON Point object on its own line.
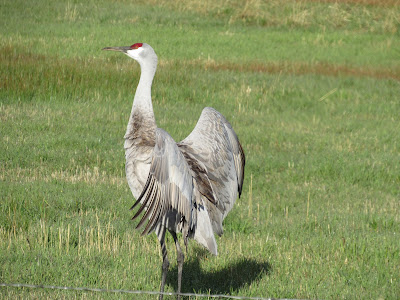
{"type": "Point", "coordinates": [42, 286]}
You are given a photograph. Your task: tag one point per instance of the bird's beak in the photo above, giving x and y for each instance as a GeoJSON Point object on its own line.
{"type": "Point", "coordinates": [119, 49]}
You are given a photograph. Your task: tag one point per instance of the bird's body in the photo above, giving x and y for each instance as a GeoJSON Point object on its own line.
{"type": "Point", "coordinates": [186, 187]}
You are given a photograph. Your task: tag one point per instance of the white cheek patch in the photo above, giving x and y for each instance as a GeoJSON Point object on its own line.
{"type": "Point", "coordinates": [134, 53]}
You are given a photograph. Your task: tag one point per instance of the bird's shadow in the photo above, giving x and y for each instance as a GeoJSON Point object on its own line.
{"type": "Point", "coordinates": [227, 280]}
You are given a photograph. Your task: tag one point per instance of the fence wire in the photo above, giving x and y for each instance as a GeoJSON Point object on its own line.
{"type": "Point", "coordinates": [86, 289]}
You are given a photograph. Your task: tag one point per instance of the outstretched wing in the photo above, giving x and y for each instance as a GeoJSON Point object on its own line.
{"type": "Point", "coordinates": [214, 153]}
{"type": "Point", "coordinates": [169, 185]}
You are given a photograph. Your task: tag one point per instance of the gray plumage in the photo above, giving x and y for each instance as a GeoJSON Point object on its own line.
{"type": "Point", "coordinates": [186, 187]}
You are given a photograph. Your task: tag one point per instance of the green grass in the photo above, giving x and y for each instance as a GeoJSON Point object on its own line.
{"type": "Point", "coordinates": [312, 90]}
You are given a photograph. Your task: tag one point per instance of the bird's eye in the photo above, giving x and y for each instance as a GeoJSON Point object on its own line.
{"type": "Point", "coordinates": [136, 46]}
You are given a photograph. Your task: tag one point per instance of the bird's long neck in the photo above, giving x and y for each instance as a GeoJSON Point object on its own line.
{"type": "Point", "coordinates": [142, 115]}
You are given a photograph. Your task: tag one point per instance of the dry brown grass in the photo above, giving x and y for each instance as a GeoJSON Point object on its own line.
{"type": "Point", "coordinates": [362, 2]}
{"type": "Point", "coordinates": [90, 176]}
{"type": "Point", "coordinates": [367, 15]}
{"type": "Point", "coordinates": [297, 68]}
{"type": "Point", "coordinates": [100, 238]}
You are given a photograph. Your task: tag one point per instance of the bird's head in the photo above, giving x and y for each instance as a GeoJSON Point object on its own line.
{"type": "Point", "coordinates": [140, 52]}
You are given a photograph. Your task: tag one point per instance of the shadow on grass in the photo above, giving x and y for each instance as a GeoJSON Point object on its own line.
{"type": "Point", "coordinates": [228, 280]}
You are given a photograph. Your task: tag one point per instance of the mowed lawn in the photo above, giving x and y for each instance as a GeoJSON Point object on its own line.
{"type": "Point", "coordinates": [312, 90]}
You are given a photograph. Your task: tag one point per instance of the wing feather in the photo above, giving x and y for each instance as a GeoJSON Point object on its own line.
{"type": "Point", "coordinates": [169, 185]}
{"type": "Point", "coordinates": [215, 155]}
{"type": "Point", "coordinates": [157, 211]}
{"type": "Point", "coordinates": [149, 204]}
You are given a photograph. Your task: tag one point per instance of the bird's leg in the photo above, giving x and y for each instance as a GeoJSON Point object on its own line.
{"type": "Point", "coordinates": [160, 231]}
{"type": "Point", "coordinates": [180, 258]}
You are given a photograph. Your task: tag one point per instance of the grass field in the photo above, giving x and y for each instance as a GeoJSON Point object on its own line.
{"type": "Point", "coordinates": [312, 89]}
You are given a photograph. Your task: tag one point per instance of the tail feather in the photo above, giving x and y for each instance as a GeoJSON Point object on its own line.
{"type": "Point", "coordinates": [204, 234]}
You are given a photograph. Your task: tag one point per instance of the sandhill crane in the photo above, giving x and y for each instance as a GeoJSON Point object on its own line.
{"type": "Point", "coordinates": [186, 187]}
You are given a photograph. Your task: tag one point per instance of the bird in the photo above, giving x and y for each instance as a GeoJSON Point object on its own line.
{"type": "Point", "coordinates": [183, 187]}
